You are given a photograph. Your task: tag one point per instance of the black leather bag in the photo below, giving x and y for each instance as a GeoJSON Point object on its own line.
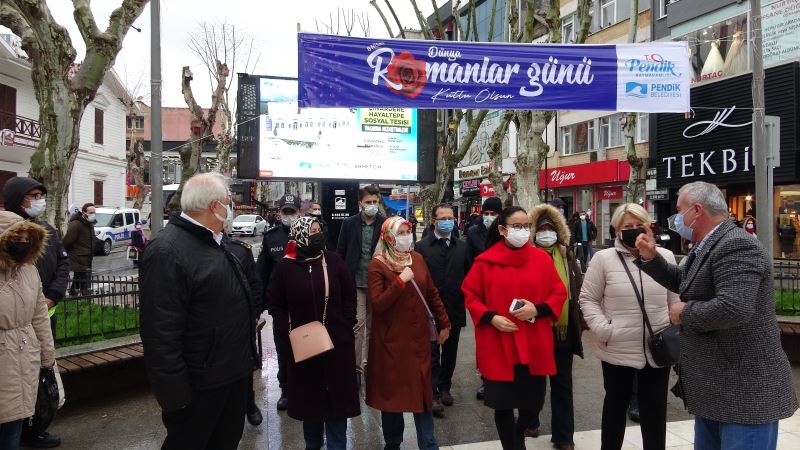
{"type": "Point", "coordinates": [46, 404]}
{"type": "Point", "coordinates": [665, 344]}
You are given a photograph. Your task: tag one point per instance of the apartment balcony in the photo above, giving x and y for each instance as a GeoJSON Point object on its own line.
{"type": "Point", "coordinates": [19, 131]}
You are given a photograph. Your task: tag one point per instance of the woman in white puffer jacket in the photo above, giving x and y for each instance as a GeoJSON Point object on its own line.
{"type": "Point", "coordinates": [611, 309]}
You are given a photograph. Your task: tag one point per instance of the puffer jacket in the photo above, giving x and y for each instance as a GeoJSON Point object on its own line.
{"type": "Point", "coordinates": [612, 311]}
{"type": "Point", "coordinates": [26, 343]}
{"type": "Point", "coordinates": [79, 243]}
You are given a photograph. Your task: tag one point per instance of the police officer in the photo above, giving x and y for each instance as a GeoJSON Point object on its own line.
{"type": "Point", "coordinates": [272, 250]}
{"type": "Point", "coordinates": [244, 254]}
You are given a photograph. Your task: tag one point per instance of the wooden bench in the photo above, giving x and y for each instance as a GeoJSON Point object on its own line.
{"type": "Point", "coordinates": [101, 368]}
{"type": "Point", "coordinates": [790, 337]}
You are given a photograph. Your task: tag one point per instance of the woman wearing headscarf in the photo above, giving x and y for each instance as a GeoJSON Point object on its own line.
{"type": "Point", "coordinates": [514, 350]}
{"type": "Point", "coordinates": [407, 315]}
{"type": "Point", "coordinates": [323, 390]}
{"type": "Point", "coordinates": [26, 342]}
{"type": "Point", "coordinates": [552, 236]}
{"type": "Point", "coordinates": [609, 300]}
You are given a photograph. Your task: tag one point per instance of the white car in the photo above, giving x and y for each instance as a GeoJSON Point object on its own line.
{"type": "Point", "coordinates": [248, 224]}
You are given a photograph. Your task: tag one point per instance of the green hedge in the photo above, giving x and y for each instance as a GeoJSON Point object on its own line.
{"type": "Point", "coordinates": [81, 321]}
{"type": "Point", "coordinates": [787, 302]}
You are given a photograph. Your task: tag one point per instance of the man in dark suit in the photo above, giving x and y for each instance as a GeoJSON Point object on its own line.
{"type": "Point", "coordinates": [357, 240]}
{"type": "Point", "coordinates": [735, 377]}
{"type": "Point", "coordinates": [448, 260]}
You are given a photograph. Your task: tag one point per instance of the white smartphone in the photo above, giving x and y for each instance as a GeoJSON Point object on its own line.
{"type": "Point", "coordinates": [517, 304]}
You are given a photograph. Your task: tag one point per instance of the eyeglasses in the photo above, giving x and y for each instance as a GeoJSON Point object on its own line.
{"type": "Point", "coordinates": [518, 226]}
{"type": "Point", "coordinates": [37, 196]}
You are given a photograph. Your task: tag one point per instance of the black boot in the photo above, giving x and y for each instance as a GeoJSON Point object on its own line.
{"type": "Point", "coordinates": [254, 415]}
{"type": "Point", "coordinates": [43, 440]}
{"type": "Point", "coordinates": [283, 402]}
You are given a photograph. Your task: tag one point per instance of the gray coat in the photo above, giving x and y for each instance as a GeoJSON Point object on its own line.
{"type": "Point", "coordinates": [732, 366]}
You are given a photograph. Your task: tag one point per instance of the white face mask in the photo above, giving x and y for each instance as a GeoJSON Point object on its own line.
{"type": "Point", "coordinates": [404, 243]}
{"type": "Point", "coordinates": [518, 238]}
{"type": "Point", "coordinates": [90, 217]}
{"type": "Point", "coordinates": [488, 221]}
{"type": "Point", "coordinates": [546, 238]}
{"type": "Point", "coordinates": [370, 210]}
{"type": "Point", "coordinates": [315, 212]}
{"type": "Point", "coordinates": [227, 221]}
{"type": "Point", "coordinates": [288, 221]}
{"type": "Point", "coordinates": [37, 208]}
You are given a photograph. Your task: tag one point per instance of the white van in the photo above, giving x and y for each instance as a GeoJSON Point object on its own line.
{"type": "Point", "coordinates": [114, 226]}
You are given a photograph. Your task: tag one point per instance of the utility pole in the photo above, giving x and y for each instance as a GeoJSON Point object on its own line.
{"type": "Point", "coordinates": [762, 153]}
{"type": "Point", "coordinates": [156, 145]}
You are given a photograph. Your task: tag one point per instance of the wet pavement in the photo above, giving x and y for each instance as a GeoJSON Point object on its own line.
{"type": "Point", "coordinates": [133, 420]}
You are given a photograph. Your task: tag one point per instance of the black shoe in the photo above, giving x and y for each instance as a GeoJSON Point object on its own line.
{"type": "Point", "coordinates": [532, 432]}
{"type": "Point", "coordinates": [283, 402]}
{"type": "Point", "coordinates": [447, 399]}
{"type": "Point", "coordinates": [437, 409]}
{"type": "Point", "coordinates": [254, 415]}
{"type": "Point", "coordinates": [633, 414]}
{"type": "Point", "coordinates": [479, 395]}
{"type": "Point", "coordinates": [391, 447]}
{"type": "Point", "coordinates": [44, 440]}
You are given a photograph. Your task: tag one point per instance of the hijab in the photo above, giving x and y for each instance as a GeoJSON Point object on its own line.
{"type": "Point", "coordinates": [298, 248]}
{"type": "Point", "coordinates": [386, 252]}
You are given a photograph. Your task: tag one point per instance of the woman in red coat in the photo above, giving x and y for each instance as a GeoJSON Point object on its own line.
{"type": "Point", "coordinates": [515, 350]}
{"type": "Point", "coordinates": [404, 301]}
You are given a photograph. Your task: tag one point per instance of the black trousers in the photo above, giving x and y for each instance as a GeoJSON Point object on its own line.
{"type": "Point", "coordinates": [618, 382]}
{"type": "Point", "coordinates": [81, 282]}
{"type": "Point", "coordinates": [561, 404]}
{"type": "Point", "coordinates": [214, 420]}
{"type": "Point", "coordinates": [443, 362]}
{"type": "Point", "coordinates": [282, 348]}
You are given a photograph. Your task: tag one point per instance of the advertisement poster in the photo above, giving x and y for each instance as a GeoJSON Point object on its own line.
{"type": "Point", "coordinates": [780, 20]}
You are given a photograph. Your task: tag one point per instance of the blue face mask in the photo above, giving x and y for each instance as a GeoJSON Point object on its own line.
{"type": "Point", "coordinates": [445, 226]}
{"type": "Point", "coordinates": [681, 228]}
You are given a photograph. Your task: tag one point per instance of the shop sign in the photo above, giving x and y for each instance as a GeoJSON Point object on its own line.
{"type": "Point", "coordinates": [610, 193]}
{"type": "Point", "coordinates": [470, 186]}
{"type": "Point", "coordinates": [487, 190]}
{"type": "Point", "coordinates": [610, 171]}
{"type": "Point", "coordinates": [660, 194]}
{"type": "Point", "coordinates": [779, 19]}
{"type": "Point", "coordinates": [474, 171]}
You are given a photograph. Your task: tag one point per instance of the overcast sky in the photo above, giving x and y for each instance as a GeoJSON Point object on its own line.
{"type": "Point", "coordinates": [273, 25]}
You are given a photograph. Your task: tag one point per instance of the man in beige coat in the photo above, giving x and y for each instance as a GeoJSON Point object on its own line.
{"type": "Point", "coordinates": [26, 342]}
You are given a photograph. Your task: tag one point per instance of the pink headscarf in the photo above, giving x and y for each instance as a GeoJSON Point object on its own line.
{"type": "Point", "coordinates": [386, 252]}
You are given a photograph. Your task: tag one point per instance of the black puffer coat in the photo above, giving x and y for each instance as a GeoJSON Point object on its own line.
{"type": "Point", "coordinates": [79, 243]}
{"type": "Point", "coordinates": [197, 317]}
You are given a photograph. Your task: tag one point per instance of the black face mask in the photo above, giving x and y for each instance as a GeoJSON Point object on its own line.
{"type": "Point", "coordinates": [316, 244]}
{"type": "Point", "coordinates": [18, 250]}
{"type": "Point", "coordinates": [629, 236]}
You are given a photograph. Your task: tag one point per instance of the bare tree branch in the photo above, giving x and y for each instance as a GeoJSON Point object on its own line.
{"type": "Point", "coordinates": [374, 3]}
{"type": "Point", "coordinates": [400, 28]}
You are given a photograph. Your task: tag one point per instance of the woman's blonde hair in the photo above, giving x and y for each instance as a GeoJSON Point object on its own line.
{"type": "Point", "coordinates": [632, 209]}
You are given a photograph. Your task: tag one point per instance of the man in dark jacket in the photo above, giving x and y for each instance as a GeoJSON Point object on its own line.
{"type": "Point", "coordinates": [79, 243]}
{"type": "Point", "coordinates": [272, 250]}
{"type": "Point", "coordinates": [448, 261]}
{"type": "Point", "coordinates": [357, 240]}
{"type": "Point", "coordinates": [476, 234]}
{"type": "Point", "coordinates": [198, 322]}
{"type": "Point", "coordinates": [583, 234]}
{"type": "Point", "coordinates": [26, 197]}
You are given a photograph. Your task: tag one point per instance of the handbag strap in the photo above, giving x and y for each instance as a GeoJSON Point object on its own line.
{"type": "Point", "coordinates": [327, 293]}
{"type": "Point", "coordinates": [422, 298]}
{"type": "Point", "coordinates": [639, 296]}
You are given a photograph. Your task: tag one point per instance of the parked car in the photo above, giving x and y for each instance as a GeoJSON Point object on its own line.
{"type": "Point", "coordinates": [248, 224]}
{"type": "Point", "coordinates": [114, 226]}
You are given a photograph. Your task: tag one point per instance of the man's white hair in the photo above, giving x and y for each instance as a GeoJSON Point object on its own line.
{"type": "Point", "coordinates": [707, 195]}
{"type": "Point", "coordinates": [203, 189]}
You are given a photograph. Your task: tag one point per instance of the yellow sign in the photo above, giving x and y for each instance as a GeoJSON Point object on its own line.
{"type": "Point", "coordinates": [395, 117]}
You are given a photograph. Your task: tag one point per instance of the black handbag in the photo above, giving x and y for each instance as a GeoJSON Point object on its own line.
{"type": "Point", "coordinates": [665, 344]}
{"type": "Point", "coordinates": [46, 404]}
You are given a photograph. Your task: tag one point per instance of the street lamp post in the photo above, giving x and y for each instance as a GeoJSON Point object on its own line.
{"type": "Point", "coordinates": [156, 144]}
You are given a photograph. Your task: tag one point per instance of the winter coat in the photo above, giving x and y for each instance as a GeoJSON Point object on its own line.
{"type": "Point", "coordinates": [349, 245]}
{"type": "Point", "coordinates": [448, 267]}
{"type": "Point", "coordinates": [476, 239]}
{"type": "Point", "coordinates": [499, 275]}
{"type": "Point", "coordinates": [577, 231]}
{"type": "Point", "coordinates": [26, 342]}
{"type": "Point", "coordinates": [79, 243]}
{"type": "Point", "coordinates": [612, 311]}
{"type": "Point", "coordinates": [324, 387]}
{"type": "Point", "coordinates": [399, 368]}
{"type": "Point", "coordinates": [197, 315]}
{"type": "Point", "coordinates": [53, 265]}
{"type": "Point", "coordinates": [244, 254]}
{"type": "Point", "coordinates": [575, 326]}
{"type": "Point", "coordinates": [732, 366]}
{"type": "Point", "coordinates": [273, 247]}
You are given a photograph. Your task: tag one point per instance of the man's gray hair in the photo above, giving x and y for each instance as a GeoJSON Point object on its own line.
{"type": "Point", "coordinates": [707, 195]}
{"type": "Point", "coordinates": [202, 189]}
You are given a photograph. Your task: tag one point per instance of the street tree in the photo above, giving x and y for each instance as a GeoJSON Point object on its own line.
{"type": "Point", "coordinates": [633, 192]}
{"type": "Point", "coordinates": [135, 153]}
{"type": "Point", "coordinates": [64, 86]}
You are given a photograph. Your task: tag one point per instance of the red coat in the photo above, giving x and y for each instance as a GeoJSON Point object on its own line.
{"type": "Point", "coordinates": [498, 276]}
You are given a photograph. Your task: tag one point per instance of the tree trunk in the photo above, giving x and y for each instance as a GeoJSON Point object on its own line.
{"type": "Point", "coordinates": [633, 190]}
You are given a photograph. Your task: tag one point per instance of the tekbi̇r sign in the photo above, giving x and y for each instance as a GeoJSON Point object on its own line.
{"type": "Point", "coordinates": [337, 72]}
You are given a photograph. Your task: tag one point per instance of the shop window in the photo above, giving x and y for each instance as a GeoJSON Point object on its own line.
{"type": "Point", "coordinates": [719, 50]}
{"type": "Point", "coordinates": [568, 29]}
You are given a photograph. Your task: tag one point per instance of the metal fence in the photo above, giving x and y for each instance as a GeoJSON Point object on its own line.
{"type": "Point", "coordinates": [786, 274]}
{"type": "Point", "coordinates": [103, 307]}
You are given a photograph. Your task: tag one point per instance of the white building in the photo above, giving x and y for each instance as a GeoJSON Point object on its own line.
{"type": "Point", "coordinates": [100, 167]}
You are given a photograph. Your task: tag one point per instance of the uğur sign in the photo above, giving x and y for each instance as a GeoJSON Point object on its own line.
{"type": "Point", "coordinates": [349, 72]}
{"type": "Point", "coordinates": [610, 171]}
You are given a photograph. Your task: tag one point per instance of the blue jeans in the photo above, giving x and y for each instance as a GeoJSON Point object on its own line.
{"type": "Point", "coordinates": [10, 433]}
{"type": "Point", "coordinates": [393, 429]}
{"type": "Point", "coordinates": [713, 435]}
{"type": "Point", "coordinates": [335, 433]}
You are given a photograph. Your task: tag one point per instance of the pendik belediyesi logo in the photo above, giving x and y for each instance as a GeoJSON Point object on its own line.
{"type": "Point", "coordinates": [652, 64]}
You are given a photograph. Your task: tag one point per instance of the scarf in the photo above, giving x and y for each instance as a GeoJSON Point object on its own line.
{"type": "Point", "coordinates": [561, 267]}
{"type": "Point", "coordinates": [297, 248]}
{"type": "Point", "coordinates": [385, 251]}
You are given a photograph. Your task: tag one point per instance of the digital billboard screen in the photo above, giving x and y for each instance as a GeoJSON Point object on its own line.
{"type": "Point", "coordinates": [369, 144]}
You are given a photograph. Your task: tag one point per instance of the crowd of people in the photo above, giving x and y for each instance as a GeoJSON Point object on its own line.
{"type": "Point", "coordinates": [382, 314]}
